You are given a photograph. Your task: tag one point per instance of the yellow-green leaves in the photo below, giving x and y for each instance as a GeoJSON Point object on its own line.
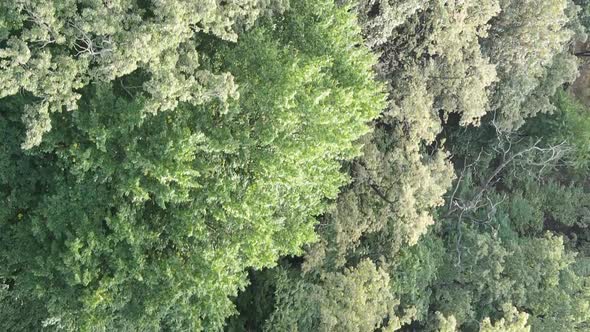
{"type": "Point", "coordinates": [513, 321]}
{"type": "Point", "coordinates": [67, 45]}
{"type": "Point", "coordinates": [186, 158]}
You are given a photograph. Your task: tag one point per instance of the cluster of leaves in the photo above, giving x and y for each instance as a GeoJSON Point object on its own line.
{"type": "Point", "coordinates": [515, 226]}
{"type": "Point", "coordinates": [189, 157]}
{"type": "Point", "coordinates": [462, 75]}
{"type": "Point", "coordinates": [51, 50]}
{"type": "Point", "coordinates": [156, 154]}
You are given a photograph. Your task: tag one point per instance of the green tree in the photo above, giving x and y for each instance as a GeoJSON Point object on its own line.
{"type": "Point", "coordinates": [122, 218]}
{"type": "Point", "coordinates": [526, 42]}
{"type": "Point", "coordinates": [456, 261]}
{"type": "Point", "coordinates": [514, 228]}
{"type": "Point", "coordinates": [53, 49]}
{"type": "Point", "coordinates": [513, 322]}
{"type": "Point", "coordinates": [355, 300]}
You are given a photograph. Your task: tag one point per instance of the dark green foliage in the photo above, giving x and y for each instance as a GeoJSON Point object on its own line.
{"type": "Point", "coordinates": [569, 123]}
{"type": "Point", "coordinates": [501, 255]}
{"type": "Point", "coordinates": [126, 219]}
{"type": "Point", "coordinates": [158, 156]}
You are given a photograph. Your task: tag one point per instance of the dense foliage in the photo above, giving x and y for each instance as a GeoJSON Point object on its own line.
{"type": "Point", "coordinates": [128, 217]}
{"type": "Point", "coordinates": [302, 165]}
{"type": "Point", "coordinates": [458, 216]}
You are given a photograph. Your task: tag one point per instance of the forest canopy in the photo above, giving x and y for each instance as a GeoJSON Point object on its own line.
{"type": "Point", "coordinates": [294, 165]}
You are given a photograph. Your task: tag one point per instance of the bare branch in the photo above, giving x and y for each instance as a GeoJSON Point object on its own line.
{"type": "Point", "coordinates": [38, 20]}
{"type": "Point", "coordinates": [86, 45]}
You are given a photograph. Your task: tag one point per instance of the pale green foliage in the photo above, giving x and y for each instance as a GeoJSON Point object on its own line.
{"type": "Point", "coordinates": [454, 78]}
{"type": "Point", "coordinates": [380, 18]}
{"type": "Point", "coordinates": [505, 238]}
{"type": "Point", "coordinates": [445, 70]}
{"type": "Point", "coordinates": [513, 321]}
{"type": "Point", "coordinates": [57, 48]}
{"type": "Point", "coordinates": [411, 184]}
{"type": "Point", "coordinates": [533, 274]}
{"type": "Point", "coordinates": [356, 300]}
{"type": "Point", "coordinates": [525, 45]}
{"type": "Point", "coordinates": [523, 42]}
{"type": "Point", "coordinates": [415, 109]}
{"type": "Point", "coordinates": [444, 324]}
{"type": "Point", "coordinates": [563, 69]}
{"type": "Point", "coordinates": [387, 204]}
{"type": "Point", "coordinates": [459, 74]}
{"type": "Point", "coordinates": [129, 219]}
